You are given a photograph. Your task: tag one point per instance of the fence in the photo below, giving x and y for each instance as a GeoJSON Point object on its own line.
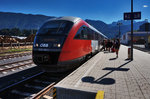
{"type": "Point", "coordinates": [15, 45]}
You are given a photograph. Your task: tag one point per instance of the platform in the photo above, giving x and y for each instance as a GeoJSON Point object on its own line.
{"type": "Point", "coordinates": [118, 78]}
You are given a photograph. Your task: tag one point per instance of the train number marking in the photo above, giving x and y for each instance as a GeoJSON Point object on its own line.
{"type": "Point", "coordinates": [43, 45]}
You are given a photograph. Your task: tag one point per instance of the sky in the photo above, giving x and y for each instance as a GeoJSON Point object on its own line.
{"type": "Point", "coordinates": [104, 10]}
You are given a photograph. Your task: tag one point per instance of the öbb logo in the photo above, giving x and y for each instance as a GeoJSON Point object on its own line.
{"type": "Point", "coordinates": [43, 45]}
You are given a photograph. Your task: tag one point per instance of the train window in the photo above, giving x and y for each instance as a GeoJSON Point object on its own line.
{"type": "Point", "coordinates": [96, 36]}
{"type": "Point", "coordinates": [87, 34]}
{"type": "Point", "coordinates": [82, 33]}
{"type": "Point", "coordinates": [91, 34]}
{"type": "Point", "coordinates": [55, 28]}
{"type": "Point", "coordinates": [78, 34]}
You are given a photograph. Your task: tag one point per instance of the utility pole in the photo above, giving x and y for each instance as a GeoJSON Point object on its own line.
{"type": "Point", "coordinates": [132, 16]}
{"type": "Point", "coordinates": [132, 29]}
{"type": "Point", "coordinates": [119, 24]}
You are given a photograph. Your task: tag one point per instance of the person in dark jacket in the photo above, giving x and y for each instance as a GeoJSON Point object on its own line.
{"type": "Point", "coordinates": [110, 45]}
{"type": "Point", "coordinates": [103, 44]}
{"type": "Point", "coordinates": [117, 46]}
{"type": "Point", "coordinates": [113, 46]}
{"type": "Point", "coordinates": [107, 45]}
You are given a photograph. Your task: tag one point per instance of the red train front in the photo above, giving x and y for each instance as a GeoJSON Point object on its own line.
{"type": "Point", "coordinates": [63, 43]}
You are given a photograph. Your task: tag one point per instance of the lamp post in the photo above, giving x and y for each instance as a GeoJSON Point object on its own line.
{"type": "Point", "coordinates": [132, 16]}
{"type": "Point", "coordinates": [119, 24]}
{"type": "Point", "coordinates": [131, 29]}
{"type": "Point", "coordinates": [147, 29]}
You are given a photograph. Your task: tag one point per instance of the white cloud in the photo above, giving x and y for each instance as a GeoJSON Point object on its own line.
{"type": "Point", "coordinates": [145, 6]}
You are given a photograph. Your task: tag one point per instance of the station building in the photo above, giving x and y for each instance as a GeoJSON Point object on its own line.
{"type": "Point", "coordinates": [139, 37]}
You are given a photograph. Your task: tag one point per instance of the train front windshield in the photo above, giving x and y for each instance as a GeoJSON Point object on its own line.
{"type": "Point", "coordinates": [55, 28]}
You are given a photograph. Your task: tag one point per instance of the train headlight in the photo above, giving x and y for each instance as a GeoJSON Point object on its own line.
{"type": "Point", "coordinates": [36, 45]}
{"type": "Point", "coordinates": [58, 45]}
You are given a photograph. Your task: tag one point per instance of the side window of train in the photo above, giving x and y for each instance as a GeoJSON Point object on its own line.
{"type": "Point", "coordinates": [81, 34]}
{"type": "Point", "coordinates": [78, 34]}
{"type": "Point", "coordinates": [96, 36]}
{"type": "Point", "coordinates": [90, 34]}
{"type": "Point", "coordinates": [85, 34]}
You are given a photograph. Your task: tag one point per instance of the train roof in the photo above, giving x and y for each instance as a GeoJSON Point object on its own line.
{"type": "Point", "coordinates": [74, 20]}
{"type": "Point", "coordinates": [67, 18]}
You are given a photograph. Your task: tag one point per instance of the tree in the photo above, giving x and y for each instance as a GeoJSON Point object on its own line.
{"type": "Point", "coordinates": [15, 32]}
{"type": "Point", "coordinates": [5, 32]}
{"type": "Point", "coordinates": [26, 32]}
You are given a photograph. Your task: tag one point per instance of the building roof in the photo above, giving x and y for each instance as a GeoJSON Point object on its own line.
{"type": "Point", "coordinates": [141, 32]}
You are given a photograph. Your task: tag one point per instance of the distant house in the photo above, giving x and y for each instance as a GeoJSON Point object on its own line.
{"type": "Point", "coordinates": [138, 37]}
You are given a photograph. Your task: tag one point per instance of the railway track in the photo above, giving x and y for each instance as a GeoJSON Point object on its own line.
{"type": "Point", "coordinates": [32, 87]}
{"type": "Point", "coordinates": [12, 66]}
{"type": "Point", "coordinates": [14, 55]}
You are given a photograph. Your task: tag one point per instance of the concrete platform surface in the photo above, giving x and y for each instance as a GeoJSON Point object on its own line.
{"type": "Point", "coordinates": [117, 77]}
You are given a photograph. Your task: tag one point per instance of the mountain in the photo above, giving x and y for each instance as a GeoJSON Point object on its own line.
{"type": "Point", "coordinates": [99, 25]}
{"type": "Point", "coordinates": [29, 21]}
{"type": "Point", "coordinates": [112, 30]}
{"type": "Point", "coordinates": [22, 21]}
{"type": "Point", "coordinates": [124, 22]}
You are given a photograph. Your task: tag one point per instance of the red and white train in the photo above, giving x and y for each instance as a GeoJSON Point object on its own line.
{"type": "Point", "coordinates": [62, 43]}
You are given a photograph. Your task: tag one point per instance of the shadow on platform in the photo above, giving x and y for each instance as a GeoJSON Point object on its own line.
{"type": "Point", "coordinates": [103, 80]}
{"type": "Point", "coordinates": [116, 69]}
{"type": "Point", "coordinates": [105, 52]}
{"type": "Point", "coordinates": [113, 58]}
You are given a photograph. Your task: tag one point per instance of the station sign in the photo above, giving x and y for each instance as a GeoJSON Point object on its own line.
{"type": "Point", "coordinates": [130, 16]}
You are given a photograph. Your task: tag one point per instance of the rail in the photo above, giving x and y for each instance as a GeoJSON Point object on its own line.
{"type": "Point", "coordinates": [49, 92]}
{"type": "Point", "coordinates": [14, 62]}
{"type": "Point", "coordinates": [15, 67]}
{"type": "Point", "coordinates": [14, 55]}
{"type": "Point", "coordinates": [46, 91]}
{"type": "Point", "coordinates": [40, 95]}
{"type": "Point", "coordinates": [15, 84]}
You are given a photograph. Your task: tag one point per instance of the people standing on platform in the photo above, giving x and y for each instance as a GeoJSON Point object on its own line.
{"type": "Point", "coordinates": [103, 44]}
{"type": "Point", "coordinates": [107, 44]}
{"type": "Point", "coordinates": [117, 46]}
{"type": "Point", "coordinates": [113, 46]}
{"type": "Point", "coordinates": [110, 44]}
